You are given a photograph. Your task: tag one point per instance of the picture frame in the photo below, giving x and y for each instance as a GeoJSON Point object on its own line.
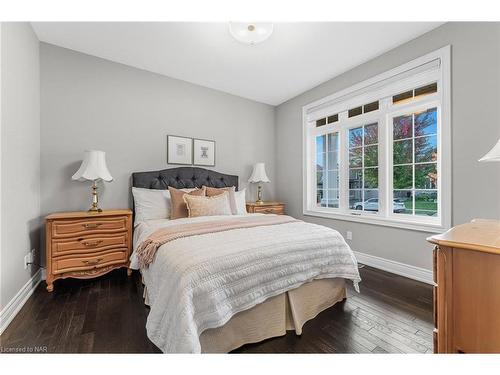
{"type": "Point", "coordinates": [179, 150]}
{"type": "Point", "coordinates": [204, 152]}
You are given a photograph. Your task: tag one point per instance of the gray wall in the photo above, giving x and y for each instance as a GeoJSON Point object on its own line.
{"type": "Point", "coordinates": [475, 129]}
{"type": "Point", "coordinates": [20, 148]}
{"type": "Point", "coordinates": [88, 102]}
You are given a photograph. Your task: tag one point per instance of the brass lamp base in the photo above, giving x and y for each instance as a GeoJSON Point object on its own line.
{"type": "Point", "coordinates": [95, 200]}
{"type": "Point", "coordinates": [259, 195]}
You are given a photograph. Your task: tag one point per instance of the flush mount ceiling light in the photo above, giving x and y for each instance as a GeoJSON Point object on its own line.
{"type": "Point", "coordinates": [251, 32]}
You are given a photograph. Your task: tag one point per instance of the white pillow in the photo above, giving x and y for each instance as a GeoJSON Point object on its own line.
{"type": "Point", "coordinates": [240, 200]}
{"type": "Point", "coordinates": [151, 204]}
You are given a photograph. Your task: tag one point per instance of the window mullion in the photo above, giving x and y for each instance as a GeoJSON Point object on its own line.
{"type": "Point", "coordinates": [343, 165]}
{"type": "Point", "coordinates": [363, 200]}
{"type": "Point", "coordinates": [383, 159]}
{"type": "Point", "coordinates": [313, 179]}
{"type": "Point", "coordinates": [413, 160]}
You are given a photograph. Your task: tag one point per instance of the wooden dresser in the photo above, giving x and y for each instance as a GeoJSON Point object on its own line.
{"type": "Point", "coordinates": [86, 245]}
{"type": "Point", "coordinates": [467, 290]}
{"type": "Point", "coordinates": [266, 208]}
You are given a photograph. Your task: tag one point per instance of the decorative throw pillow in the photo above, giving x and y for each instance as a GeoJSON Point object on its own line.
{"type": "Point", "coordinates": [241, 202]}
{"type": "Point", "coordinates": [179, 208]}
{"type": "Point", "coordinates": [208, 206]}
{"type": "Point", "coordinates": [212, 192]}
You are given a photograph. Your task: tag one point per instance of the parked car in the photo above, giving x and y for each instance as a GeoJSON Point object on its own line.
{"type": "Point", "coordinates": [372, 205]}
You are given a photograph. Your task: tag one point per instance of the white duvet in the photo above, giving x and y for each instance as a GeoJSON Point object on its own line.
{"type": "Point", "coordinates": [200, 282]}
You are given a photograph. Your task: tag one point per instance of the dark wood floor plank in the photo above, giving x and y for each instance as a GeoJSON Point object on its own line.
{"type": "Point", "coordinates": [380, 318]}
{"type": "Point", "coordinates": [348, 331]}
{"type": "Point", "coordinates": [394, 342]}
{"type": "Point", "coordinates": [413, 310]}
{"type": "Point", "coordinates": [392, 314]}
{"type": "Point", "coordinates": [346, 338]}
{"type": "Point", "coordinates": [363, 333]}
{"type": "Point", "coordinates": [406, 336]}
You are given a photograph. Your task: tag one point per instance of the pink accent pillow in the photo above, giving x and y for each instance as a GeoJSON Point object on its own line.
{"type": "Point", "coordinates": [208, 206]}
{"type": "Point", "coordinates": [212, 192]}
{"type": "Point", "coordinates": [179, 208]}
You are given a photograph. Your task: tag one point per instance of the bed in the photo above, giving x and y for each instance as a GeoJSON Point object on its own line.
{"type": "Point", "coordinates": [216, 291]}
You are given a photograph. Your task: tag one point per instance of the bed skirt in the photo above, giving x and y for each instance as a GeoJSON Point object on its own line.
{"type": "Point", "coordinates": [285, 312]}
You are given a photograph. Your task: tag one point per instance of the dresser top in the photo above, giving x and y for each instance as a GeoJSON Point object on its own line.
{"type": "Point", "coordinates": [264, 204]}
{"type": "Point", "coordinates": [479, 234]}
{"type": "Point", "coordinates": [87, 215]}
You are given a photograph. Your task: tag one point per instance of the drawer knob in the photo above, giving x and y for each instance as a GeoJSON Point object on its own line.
{"type": "Point", "coordinates": [91, 225]}
{"type": "Point", "coordinates": [91, 243]}
{"type": "Point", "coordinates": [93, 261]}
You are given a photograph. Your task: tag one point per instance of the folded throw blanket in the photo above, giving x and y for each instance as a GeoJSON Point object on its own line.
{"type": "Point", "coordinates": [147, 249]}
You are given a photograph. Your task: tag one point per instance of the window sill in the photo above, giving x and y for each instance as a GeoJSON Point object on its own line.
{"type": "Point", "coordinates": [366, 219]}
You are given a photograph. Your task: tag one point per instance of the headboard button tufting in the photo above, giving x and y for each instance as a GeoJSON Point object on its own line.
{"type": "Point", "coordinates": [179, 178]}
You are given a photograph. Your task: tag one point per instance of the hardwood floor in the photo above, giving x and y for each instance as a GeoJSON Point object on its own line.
{"type": "Point", "coordinates": [392, 314]}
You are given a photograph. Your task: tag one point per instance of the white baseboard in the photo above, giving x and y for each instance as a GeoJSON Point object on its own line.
{"type": "Point", "coordinates": [10, 311]}
{"type": "Point", "coordinates": [402, 269]}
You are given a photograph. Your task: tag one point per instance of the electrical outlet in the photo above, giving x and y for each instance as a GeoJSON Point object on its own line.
{"type": "Point", "coordinates": [29, 258]}
{"type": "Point", "coordinates": [349, 235]}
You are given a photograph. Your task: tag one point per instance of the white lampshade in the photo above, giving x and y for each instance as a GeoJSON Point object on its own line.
{"type": "Point", "coordinates": [93, 167]}
{"type": "Point", "coordinates": [493, 154]}
{"type": "Point", "coordinates": [259, 173]}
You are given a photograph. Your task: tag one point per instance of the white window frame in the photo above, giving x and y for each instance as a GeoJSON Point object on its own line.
{"type": "Point", "coordinates": [433, 67]}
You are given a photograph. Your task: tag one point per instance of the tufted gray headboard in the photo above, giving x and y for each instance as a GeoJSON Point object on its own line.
{"type": "Point", "coordinates": [182, 177]}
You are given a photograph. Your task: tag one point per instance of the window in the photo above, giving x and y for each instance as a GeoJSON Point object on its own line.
{"type": "Point", "coordinates": [327, 120]}
{"type": "Point", "coordinates": [327, 170]}
{"type": "Point", "coordinates": [363, 167]}
{"type": "Point", "coordinates": [321, 122]}
{"type": "Point", "coordinates": [408, 95]}
{"type": "Point", "coordinates": [363, 109]}
{"type": "Point", "coordinates": [415, 154]}
{"type": "Point", "coordinates": [379, 152]}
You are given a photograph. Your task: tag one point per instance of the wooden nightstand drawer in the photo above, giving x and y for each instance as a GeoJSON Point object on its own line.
{"type": "Point", "coordinates": [66, 228]}
{"type": "Point", "coordinates": [97, 260]}
{"type": "Point", "coordinates": [278, 210]}
{"type": "Point", "coordinates": [89, 244]}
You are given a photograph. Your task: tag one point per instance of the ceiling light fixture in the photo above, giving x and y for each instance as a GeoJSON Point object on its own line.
{"type": "Point", "coordinates": [251, 32]}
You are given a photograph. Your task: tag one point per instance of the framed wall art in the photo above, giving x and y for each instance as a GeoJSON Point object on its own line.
{"type": "Point", "coordinates": [204, 152]}
{"type": "Point", "coordinates": [179, 150]}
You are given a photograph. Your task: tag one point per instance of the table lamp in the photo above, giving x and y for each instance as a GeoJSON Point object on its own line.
{"type": "Point", "coordinates": [493, 154]}
{"type": "Point", "coordinates": [93, 169]}
{"type": "Point", "coordinates": [258, 176]}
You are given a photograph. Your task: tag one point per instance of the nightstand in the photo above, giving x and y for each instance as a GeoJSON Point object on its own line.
{"type": "Point", "coordinates": [85, 245]}
{"type": "Point", "coordinates": [266, 208]}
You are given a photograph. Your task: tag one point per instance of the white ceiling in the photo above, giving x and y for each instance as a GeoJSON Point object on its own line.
{"type": "Point", "coordinates": [297, 56]}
